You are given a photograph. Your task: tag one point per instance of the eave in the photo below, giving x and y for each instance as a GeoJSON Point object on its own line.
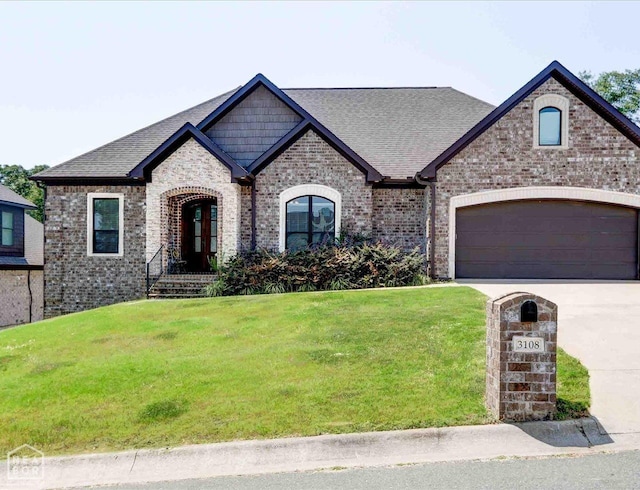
{"type": "Point", "coordinates": [17, 205]}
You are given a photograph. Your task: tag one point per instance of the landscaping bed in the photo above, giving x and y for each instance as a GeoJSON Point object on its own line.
{"type": "Point", "coordinates": [166, 373]}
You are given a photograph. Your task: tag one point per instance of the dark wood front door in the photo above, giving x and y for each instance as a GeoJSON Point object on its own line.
{"type": "Point", "coordinates": [200, 235]}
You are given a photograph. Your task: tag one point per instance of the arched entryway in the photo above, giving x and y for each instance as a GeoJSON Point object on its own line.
{"type": "Point", "coordinates": [192, 233]}
{"type": "Point", "coordinates": [199, 236]}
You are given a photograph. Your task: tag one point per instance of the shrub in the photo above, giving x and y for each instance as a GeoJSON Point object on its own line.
{"type": "Point", "coordinates": [356, 265]}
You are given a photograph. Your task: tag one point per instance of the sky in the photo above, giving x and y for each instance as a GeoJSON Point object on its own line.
{"type": "Point", "coordinates": [74, 75]}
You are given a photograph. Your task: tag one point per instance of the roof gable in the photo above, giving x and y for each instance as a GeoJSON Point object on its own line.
{"type": "Point", "coordinates": [576, 86]}
{"type": "Point", "coordinates": [145, 168]}
{"type": "Point", "coordinates": [307, 121]}
{"type": "Point", "coordinates": [253, 126]}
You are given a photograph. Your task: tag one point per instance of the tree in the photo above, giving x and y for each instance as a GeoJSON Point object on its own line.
{"type": "Point", "coordinates": [620, 89]}
{"type": "Point", "coordinates": [16, 178]}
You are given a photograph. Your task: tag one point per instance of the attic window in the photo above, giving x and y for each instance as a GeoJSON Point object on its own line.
{"type": "Point", "coordinates": [551, 122]}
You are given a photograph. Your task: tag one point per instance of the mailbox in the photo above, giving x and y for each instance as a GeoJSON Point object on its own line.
{"type": "Point", "coordinates": [529, 311]}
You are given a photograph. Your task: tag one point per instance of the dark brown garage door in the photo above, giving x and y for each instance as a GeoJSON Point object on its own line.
{"type": "Point", "coordinates": [547, 240]}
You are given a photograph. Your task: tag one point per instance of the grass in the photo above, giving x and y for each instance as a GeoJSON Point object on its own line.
{"type": "Point", "coordinates": [153, 374]}
{"type": "Point", "coordinates": [574, 397]}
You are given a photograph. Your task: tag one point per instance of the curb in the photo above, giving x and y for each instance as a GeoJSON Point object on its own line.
{"type": "Point", "coordinates": [532, 439]}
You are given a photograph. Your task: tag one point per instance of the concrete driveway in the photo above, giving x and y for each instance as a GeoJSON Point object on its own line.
{"type": "Point", "coordinates": [599, 323]}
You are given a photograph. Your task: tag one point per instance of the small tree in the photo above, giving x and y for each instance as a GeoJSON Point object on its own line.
{"type": "Point", "coordinates": [620, 89]}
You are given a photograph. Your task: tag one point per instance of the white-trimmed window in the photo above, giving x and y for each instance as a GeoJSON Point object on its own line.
{"type": "Point", "coordinates": [309, 214]}
{"type": "Point", "coordinates": [105, 224]}
{"type": "Point", "coordinates": [551, 122]}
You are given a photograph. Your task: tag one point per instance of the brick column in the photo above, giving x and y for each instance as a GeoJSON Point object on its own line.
{"type": "Point", "coordinates": [521, 371]}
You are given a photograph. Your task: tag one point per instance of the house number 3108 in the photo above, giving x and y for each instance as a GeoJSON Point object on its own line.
{"type": "Point", "coordinates": [528, 344]}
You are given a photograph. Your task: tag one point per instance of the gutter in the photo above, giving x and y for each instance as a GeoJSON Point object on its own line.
{"type": "Point", "coordinates": [430, 234]}
{"type": "Point", "coordinates": [253, 214]}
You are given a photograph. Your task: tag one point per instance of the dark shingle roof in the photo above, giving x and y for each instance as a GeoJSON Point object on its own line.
{"type": "Point", "coordinates": [7, 195]}
{"type": "Point", "coordinates": [397, 130]}
{"type": "Point", "coordinates": [117, 158]}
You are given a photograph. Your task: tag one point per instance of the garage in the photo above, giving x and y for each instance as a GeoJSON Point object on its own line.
{"type": "Point", "coordinates": [546, 239]}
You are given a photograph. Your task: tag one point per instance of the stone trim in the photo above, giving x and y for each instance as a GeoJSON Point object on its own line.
{"type": "Point", "coordinates": [524, 193]}
{"type": "Point", "coordinates": [559, 102]}
{"type": "Point", "coordinates": [105, 195]}
{"type": "Point", "coordinates": [308, 190]}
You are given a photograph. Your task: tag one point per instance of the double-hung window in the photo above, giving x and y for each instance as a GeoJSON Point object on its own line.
{"type": "Point", "coordinates": [105, 224]}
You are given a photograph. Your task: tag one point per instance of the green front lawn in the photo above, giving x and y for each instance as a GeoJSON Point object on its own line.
{"type": "Point", "coordinates": [165, 373]}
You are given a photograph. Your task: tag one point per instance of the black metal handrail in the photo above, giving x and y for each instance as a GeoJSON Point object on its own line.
{"type": "Point", "coordinates": [155, 268]}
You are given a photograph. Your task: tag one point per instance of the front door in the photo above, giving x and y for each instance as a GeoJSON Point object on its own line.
{"type": "Point", "coordinates": [200, 235]}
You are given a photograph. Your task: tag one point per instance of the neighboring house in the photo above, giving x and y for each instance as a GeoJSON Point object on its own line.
{"type": "Point", "coordinates": [21, 261]}
{"type": "Point", "coordinates": [547, 185]}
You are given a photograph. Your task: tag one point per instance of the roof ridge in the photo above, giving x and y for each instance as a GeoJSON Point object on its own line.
{"type": "Point", "coordinates": [426, 87]}
{"type": "Point", "coordinates": [44, 172]}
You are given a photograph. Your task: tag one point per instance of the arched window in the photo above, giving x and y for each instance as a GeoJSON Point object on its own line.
{"type": "Point", "coordinates": [550, 130]}
{"type": "Point", "coordinates": [551, 122]}
{"type": "Point", "coordinates": [310, 220]}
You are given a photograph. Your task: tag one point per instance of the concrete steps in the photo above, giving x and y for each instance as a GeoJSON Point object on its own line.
{"type": "Point", "coordinates": [181, 286]}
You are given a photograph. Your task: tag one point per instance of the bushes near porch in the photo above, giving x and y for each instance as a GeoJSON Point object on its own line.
{"type": "Point", "coordinates": [359, 266]}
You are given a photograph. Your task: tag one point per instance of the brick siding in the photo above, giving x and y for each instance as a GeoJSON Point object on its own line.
{"type": "Point", "coordinates": [311, 160]}
{"type": "Point", "coordinates": [76, 282]}
{"type": "Point", "coordinates": [598, 156]}
{"type": "Point", "coordinates": [399, 217]}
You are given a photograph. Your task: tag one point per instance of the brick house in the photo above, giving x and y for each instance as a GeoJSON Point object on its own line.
{"type": "Point", "coordinates": [544, 186]}
{"type": "Point", "coordinates": [21, 261]}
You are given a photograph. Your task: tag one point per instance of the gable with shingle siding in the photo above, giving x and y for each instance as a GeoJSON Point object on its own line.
{"type": "Point", "coordinates": [253, 126]}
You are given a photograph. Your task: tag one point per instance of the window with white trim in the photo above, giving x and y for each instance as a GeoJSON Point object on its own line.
{"type": "Point", "coordinates": [310, 221]}
{"type": "Point", "coordinates": [551, 122]}
{"type": "Point", "coordinates": [105, 220]}
{"type": "Point", "coordinates": [309, 214]}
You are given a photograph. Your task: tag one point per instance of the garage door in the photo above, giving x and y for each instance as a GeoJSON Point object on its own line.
{"type": "Point", "coordinates": [547, 239]}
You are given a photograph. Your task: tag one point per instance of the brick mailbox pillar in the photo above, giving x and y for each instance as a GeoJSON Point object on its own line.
{"type": "Point", "coordinates": [521, 357]}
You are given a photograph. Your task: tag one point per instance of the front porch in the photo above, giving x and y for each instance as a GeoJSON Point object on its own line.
{"type": "Point", "coordinates": [191, 245]}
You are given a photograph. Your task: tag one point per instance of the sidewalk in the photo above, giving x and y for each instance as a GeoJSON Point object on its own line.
{"type": "Point", "coordinates": [533, 439]}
